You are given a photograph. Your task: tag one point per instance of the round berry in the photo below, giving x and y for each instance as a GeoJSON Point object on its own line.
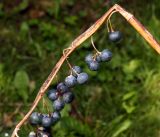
{"type": "Point", "coordinates": [68, 97]}
{"type": "Point", "coordinates": [35, 118]}
{"type": "Point", "coordinates": [82, 78]}
{"type": "Point", "coordinates": [62, 88]}
{"type": "Point", "coordinates": [94, 65]}
{"type": "Point", "coordinates": [115, 36]}
{"type": "Point", "coordinates": [32, 134]}
{"type": "Point", "coordinates": [98, 58]}
{"type": "Point", "coordinates": [89, 58]}
{"type": "Point", "coordinates": [58, 105]}
{"type": "Point", "coordinates": [106, 55]}
{"type": "Point", "coordinates": [55, 116]}
{"type": "Point", "coordinates": [70, 81]}
{"type": "Point", "coordinates": [46, 121]}
{"type": "Point", "coordinates": [76, 70]}
{"type": "Point", "coordinates": [52, 94]}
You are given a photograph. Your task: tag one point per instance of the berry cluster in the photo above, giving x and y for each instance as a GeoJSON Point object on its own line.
{"type": "Point", "coordinates": [62, 94]}
{"type": "Point", "coordinates": [94, 60]}
{"type": "Point", "coordinates": [59, 96]}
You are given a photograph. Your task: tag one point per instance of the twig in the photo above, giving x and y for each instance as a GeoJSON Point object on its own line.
{"type": "Point", "coordinates": [129, 17]}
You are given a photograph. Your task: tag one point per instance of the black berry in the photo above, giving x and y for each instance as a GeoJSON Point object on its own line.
{"type": "Point", "coordinates": [55, 116]}
{"type": "Point", "coordinates": [115, 36]}
{"type": "Point", "coordinates": [52, 94]}
{"type": "Point", "coordinates": [68, 97]}
{"type": "Point", "coordinates": [58, 105]}
{"type": "Point", "coordinates": [46, 121]}
{"type": "Point", "coordinates": [61, 87]}
{"type": "Point", "coordinates": [35, 118]}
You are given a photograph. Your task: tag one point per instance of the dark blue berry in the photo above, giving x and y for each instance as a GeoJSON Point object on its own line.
{"type": "Point", "coordinates": [35, 118]}
{"type": "Point", "coordinates": [32, 134]}
{"type": "Point", "coordinates": [115, 36]}
{"type": "Point", "coordinates": [62, 88]}
{"type": "Point", "coordinates": [46, 121]}
{"type": "Point", "coordinates": [89, 58]}
{"type": "Point", "coordinates": [55, 116]}
{"type": "Point", "coordinates": [98, 58]}
{"type": "Point", "coordinates": [76, 70]}
{"type": "Point", "coordinates": [106, 55]}
{"type": "Point", "coordinates": [70, 81]}
{"type": "Point", "coordinates": [52, 94]}
{"type": "Point", "coordinates": [68, 97]}
{"type": "Point", "coordinates": [93, 65]}
{"type": "Point", "coordinates": [58, 105]}
{"type": "Point", "coordinates": [82, 78]}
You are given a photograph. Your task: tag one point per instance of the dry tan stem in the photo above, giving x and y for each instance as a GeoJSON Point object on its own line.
{"type": "Point", "coordinates": [129, 17]}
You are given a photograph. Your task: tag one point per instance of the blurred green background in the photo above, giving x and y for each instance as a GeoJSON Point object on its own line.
{"type": "Point", "coordinates": [122, 99]}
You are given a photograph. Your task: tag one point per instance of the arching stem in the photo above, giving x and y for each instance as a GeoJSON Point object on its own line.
{"type": "Point", "coordinates": [80, 39]}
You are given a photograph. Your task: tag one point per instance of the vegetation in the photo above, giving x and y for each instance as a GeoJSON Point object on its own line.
{"type": "Point", "coordinates": [121, 100]}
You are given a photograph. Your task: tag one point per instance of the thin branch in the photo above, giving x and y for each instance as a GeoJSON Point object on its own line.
{"type": "Point", "coordinates": [129, 17]}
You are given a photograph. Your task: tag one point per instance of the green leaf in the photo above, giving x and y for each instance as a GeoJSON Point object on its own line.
{"type": "Point", "coordinates": [122, 127]}
{"type": "Point", "coordinates": [129, 95]}
{"type": "Point", "coordinates": [129, 108]}
{"type": "Point", "coordinates": [21, 80]}
{"type": "Point", "coordinates": [131, 66]}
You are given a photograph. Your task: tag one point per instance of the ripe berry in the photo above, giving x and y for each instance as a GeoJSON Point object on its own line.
{"type": "Point", "coordinates": [106, 55]}
{"type": "Point", "coordinates": [98, 58]}
{"type": "Point", "coordinates": [32, 134]}
{"type": "Point", "coordinates": [93, 65]}
{"type": "Point", "coordinates": [82, 78]}
{"type": "Point", "coordinates": [62, 88]}
{"type": "Point", "coordinates": [55, 116]}
{"type": "Point", "coordinates": [76, 70]}
{"type": "Point", "coordinates": [115, 36]}
{"type": "Point", "coordinates": [46, 121]}
{"type": "Point", "coordinates": [58, 105]}
{"type": "Point", "coordinates": [70, 81]}
{"type": "Point", "coordinates": [35, 118]}
{"type": "Point", "coordinates": [68, 97]}
{"type": "Point", "coordinates": [89, 58]}
{"type": "Point", "coordinates": [52, 94]}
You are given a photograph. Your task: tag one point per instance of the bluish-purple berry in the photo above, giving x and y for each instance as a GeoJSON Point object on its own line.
{"type": "Point", "coordinates": [93, 65]}
{"type": "Point", "coordinates": [115, 36]}
{"type": "Point", "coordinates": [55, 116]}
{"type": "Point", "coordinates": [58, 105]}
{"type": "Point", "coordinates": [76, 70]}
{"type": "Point", "coordinates": [68, 97]}
{"type": "Point", "coordinates": [70, 81]}
{"type": "Point", "coordinates": [98, 58]}
{"type": "Point", "coordinates": [46, 121]}
{"type": "Point", "coordinates": [82, 78]}
{"type": "Point", "coordinates": [62, 88]}
{"type": "Point", "coordinates": [106, 55]}
{"type": "Point", "coordinates": [35, 118]}
{"type": "Point", "coordinates": [52, 94]}
{"type": "Point", "coordinates": [89, 58]}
